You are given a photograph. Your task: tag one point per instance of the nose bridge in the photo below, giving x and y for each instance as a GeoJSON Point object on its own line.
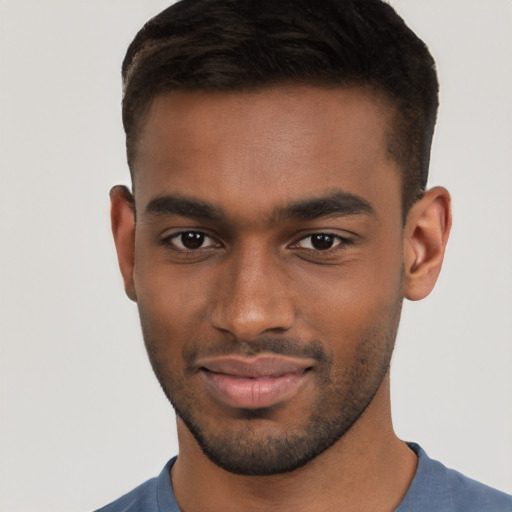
{"type": "Point", "coordinates": [253, 295]}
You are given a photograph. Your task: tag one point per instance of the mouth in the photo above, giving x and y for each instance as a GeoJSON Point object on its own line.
{"type": "Point", "coordinates": [254, 382]}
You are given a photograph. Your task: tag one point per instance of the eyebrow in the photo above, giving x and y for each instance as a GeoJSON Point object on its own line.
{"type": "Point", "coordinates": [337, 203]}
{"type": "Point", "coordinates": [176, 204]}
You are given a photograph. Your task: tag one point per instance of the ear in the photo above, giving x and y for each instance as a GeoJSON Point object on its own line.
{"type": "Point", "coordinates": [425, 237]}
{"type": "Point", "coordinates": [122, 216]}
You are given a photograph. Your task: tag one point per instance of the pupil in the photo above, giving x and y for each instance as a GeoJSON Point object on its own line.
{"type": "Point", "coordinates": [192, 240]}
{"type": "Point", "coordinates": [322, 242]}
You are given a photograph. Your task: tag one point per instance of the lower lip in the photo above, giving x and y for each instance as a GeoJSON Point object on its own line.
{"type": "Point", "coordinates": [253, 393]}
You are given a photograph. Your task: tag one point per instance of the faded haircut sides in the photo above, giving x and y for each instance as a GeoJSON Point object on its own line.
{"type": "Point", "coordinates": [240, 45]}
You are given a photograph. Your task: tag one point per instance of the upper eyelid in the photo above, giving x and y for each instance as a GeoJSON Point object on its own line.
{"type": "Point", "coordinates": [322, 232]}
{"type": "Point", "coordinates": [166, 239]}
{"type": "Point", "coordinates": [181, 231]}
{"type": "Point", "coordinates": [343, 238]}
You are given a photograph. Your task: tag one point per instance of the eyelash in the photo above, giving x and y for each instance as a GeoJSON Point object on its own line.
{"type": "Point", "coordinates": [171, 241]}
{"type": "Point", "coordinates": [339, 242]}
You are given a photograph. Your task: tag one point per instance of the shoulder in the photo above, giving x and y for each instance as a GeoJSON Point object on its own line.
{"type": "Point", "coordinates": [468, 494]}
{"type": "Point", "coordinates": [141, 498]}
{"type": "Point", "coordinates": [436, 487]}
{"type": "Point", "coordinates": [153, 495]}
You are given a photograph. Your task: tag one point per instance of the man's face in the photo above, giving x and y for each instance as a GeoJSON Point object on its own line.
{"type": "Point", "coordinates": [268, 266]}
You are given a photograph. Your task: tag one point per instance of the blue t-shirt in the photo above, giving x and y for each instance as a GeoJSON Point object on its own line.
{"type": "Point", "coordinates": [434, 488]}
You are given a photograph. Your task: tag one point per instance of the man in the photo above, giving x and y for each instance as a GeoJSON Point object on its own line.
{"type": "Point", "coordinates": [279, 156]}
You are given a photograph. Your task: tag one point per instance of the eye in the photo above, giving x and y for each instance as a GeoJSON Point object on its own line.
{"type": "Point", "coordinates": [321, 241]}
{"type": "Point", "coordinates": [191, 241]}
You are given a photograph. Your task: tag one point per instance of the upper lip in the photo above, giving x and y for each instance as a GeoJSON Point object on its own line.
{"type": "Point", "coordinates": [256, 366]}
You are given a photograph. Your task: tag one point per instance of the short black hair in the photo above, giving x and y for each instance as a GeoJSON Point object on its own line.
{"type": "Point", "coordinates": [230, 45]}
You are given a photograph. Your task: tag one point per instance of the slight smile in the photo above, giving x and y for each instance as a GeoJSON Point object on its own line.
{"type": "Point", "coordinates": [254, 382]}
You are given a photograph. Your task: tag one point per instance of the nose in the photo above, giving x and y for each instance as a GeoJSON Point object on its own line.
{"type": "Point", "coordinates": [253, 296]}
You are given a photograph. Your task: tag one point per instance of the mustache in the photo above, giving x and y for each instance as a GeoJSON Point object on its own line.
{"type": "Point", "coordinates": [283, 346]}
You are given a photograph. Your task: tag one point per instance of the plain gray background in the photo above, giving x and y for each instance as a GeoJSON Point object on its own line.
{"type": "Point", "coordinates": [82, 417]}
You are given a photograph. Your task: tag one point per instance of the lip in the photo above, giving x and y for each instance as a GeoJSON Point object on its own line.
{"type": "Point", "coordinates": [254, 382]}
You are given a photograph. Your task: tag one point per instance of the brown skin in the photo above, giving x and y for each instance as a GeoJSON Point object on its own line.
{"type": "Point", "coordinates": [257, 280]}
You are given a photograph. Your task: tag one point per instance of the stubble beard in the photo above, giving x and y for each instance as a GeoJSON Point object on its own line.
{"type": "Point", "coordinates": [343, 396]}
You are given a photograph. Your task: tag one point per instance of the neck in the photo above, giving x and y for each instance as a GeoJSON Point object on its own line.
{"type": "Point", "coordinates": [369, 468]}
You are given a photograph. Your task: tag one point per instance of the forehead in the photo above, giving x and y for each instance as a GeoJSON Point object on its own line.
{"type": "Point", "coordinates": [257, 149]}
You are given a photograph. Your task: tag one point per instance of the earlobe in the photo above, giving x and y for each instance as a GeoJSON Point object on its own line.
{"type": "Point", "coordinates": [122, 216]}
{"type": "Point", "coordinates": [425, 238]}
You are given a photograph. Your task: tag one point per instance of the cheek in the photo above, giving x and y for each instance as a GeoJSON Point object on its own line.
{"type": "Point", "coordinates": [349, 301]}
{"type": "Point", "coordinates": [172, 303]}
